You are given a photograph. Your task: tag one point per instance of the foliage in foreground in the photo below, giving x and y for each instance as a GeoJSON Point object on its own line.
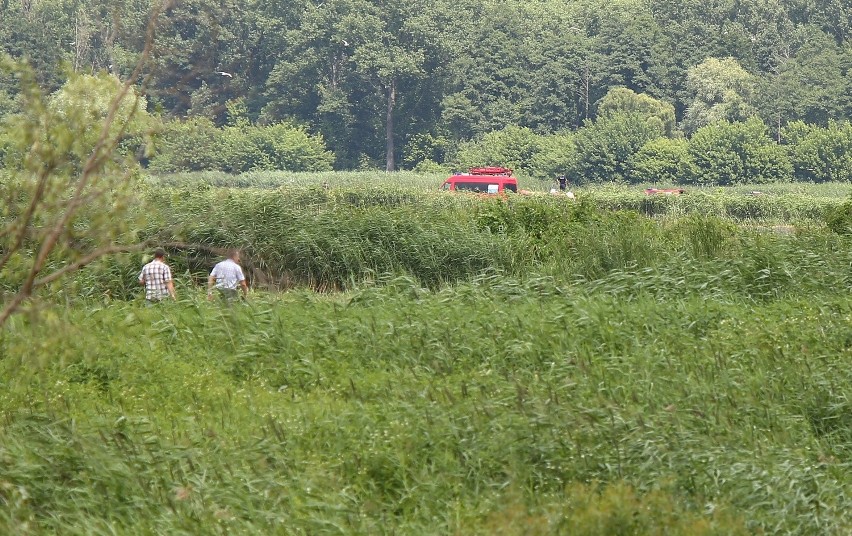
{"type": "Point", "coordinates": [66, 193]}
{"type": "Point", "coordinates": [494, 406]}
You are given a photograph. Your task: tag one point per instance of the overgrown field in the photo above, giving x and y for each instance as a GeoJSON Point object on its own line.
{"type": "Point", "coordinates": [442, 364]}
{"type": "Point", "coordinates": [343, 237]}
{"type": "Point", "coordinates": [776, 203]}
{"type": "Point", "coordinates": [430, 182]}
{"type": "Point", "coordinates": [527, 408]}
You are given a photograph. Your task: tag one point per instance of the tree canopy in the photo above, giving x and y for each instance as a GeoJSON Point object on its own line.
{"type": "Point", "coordinates": [386, 83]}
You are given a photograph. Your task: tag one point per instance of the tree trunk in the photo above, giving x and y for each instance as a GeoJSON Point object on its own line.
{"type": "Point", "coordinates": [391, 163]}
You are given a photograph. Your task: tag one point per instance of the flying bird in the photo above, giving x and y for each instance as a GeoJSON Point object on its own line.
{"type": "Point", "coordinates": [223, 73]}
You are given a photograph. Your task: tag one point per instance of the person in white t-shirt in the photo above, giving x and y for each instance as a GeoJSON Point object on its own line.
{"type": "Point", "coordinates": [227, 277]}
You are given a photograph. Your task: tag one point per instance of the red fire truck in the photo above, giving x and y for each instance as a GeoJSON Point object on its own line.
{"type": "Point", "coordinates": [483, 180]}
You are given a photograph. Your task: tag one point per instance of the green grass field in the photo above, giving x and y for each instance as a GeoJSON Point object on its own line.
{"type": "Point", "coordinates": [430, 364]}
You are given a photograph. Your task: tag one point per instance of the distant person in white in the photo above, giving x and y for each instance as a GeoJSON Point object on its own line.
{"type": "Point", "coordinates": [226, 277]}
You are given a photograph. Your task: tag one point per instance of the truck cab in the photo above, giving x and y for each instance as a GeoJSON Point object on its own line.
{"type": "Point", "coordinates": [484, 180]}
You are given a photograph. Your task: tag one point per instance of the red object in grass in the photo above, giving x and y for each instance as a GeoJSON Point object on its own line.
{"type": "Point", "coordinates": [664, 191]}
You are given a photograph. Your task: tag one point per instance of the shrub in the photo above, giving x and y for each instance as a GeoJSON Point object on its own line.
{"type": "Point", "coordinates": [603, 149]}
{"type": "Point", "coordinates": [737, 153]}
{"type": "Point", "coordinates": [663, 161]}
{"type": "Point", "coordinates": [430, 166]}
{"type": "Point", "coordinates": [513, 147]}
{"type": "Point", "coordinates": [839, 219]}
{"type": "Point", "coordinates": [553, 157]}
{"type": "Point", "coordinates": [82, 104]}
{"type": "Point", "coordinates": [820, 154]}
{"type": "Point", "coordinates": [190, 145]}
{"type": "Point", "coordinates": [424, 148]}
{"type": "Point", "coordinates": [197, 145]}
{"type": "Point", "coordinates": [283, 147]}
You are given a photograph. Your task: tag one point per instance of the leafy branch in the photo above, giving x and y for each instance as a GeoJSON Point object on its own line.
{"type": "Point", "coordinates": [64, 178]}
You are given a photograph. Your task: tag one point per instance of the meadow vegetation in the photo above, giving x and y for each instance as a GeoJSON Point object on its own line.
{"type": "Point", "coordinates": [412, 361]}
{"type": "Point", "coordinates": [444, 364]}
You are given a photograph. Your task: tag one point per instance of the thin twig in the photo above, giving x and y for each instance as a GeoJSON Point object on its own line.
{"type": "Point", "coordinates": [104, 149]}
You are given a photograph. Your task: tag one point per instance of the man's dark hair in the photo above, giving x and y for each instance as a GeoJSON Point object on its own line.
{"type": "Point", "coordinates": [159, 253]}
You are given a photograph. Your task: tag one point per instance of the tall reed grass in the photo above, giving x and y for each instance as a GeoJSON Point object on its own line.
{"type": "Point", "coordinates": [524, 365]}
{"type": "Point", "coordinates": [339, 240]}
{"type": "Point", "coordinates": [516, 406]}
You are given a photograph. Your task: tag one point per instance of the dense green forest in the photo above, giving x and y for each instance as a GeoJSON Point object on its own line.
{"type": "Point", "coordinates": [547, 86]}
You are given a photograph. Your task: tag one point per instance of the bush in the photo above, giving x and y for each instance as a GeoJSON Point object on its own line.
{"type": "Point", "coordinates": [197, 145]}
{"type": "Point", "coordinates": [554, 156]}
{"type": "Point", "coordinates": [839, 219]}
{"type": "Point", "coordinates": [820, 154]}
{"type": "Point", "coordinates": [513, 147]}
{"type": "Point", "coordinates": [430, 166]}
{"type": "Point", "coordinates": [663, 161]}
{"type": "Point", "coordinates": [424, 148]}
{"type": "Point", "coordinates": [603, 149]}
{"type": "Point", "coordinates": [738, 153]}
{"type": "Point", "coordinates": [190, 145]}
{"type": "Point", "coordinates": [281, 147]}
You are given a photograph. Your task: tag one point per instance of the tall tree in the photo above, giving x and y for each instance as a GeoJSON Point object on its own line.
{"type": "Point", "coordinates": [390, 56]}
{"type": "Point", "coordinates": [227, 45]}
{"type": "Point", "coordinates": [623, 100]}
{"type": "Point", "coordinates": [625, 35]}
{"type": "Point", "coordinates": [721, 91]}
{"type": "Point", "coordinates": [42, 33]}
{"type": "Point", "coordinates": [813, 85]}
{"type": "Point", "coordinates": [832, 16]}
{"type": "Point", "coordinates": [356, 62]}
{"type": "Point", "coordinates": [695, 30]}
{"type": "Point", "coordinates": [489, 79]}
{"type": "Point", "coordinates": [561, 67]}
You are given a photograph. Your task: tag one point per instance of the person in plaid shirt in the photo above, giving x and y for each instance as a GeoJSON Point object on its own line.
{"type": "Point", "coordinates": [157, 278]}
